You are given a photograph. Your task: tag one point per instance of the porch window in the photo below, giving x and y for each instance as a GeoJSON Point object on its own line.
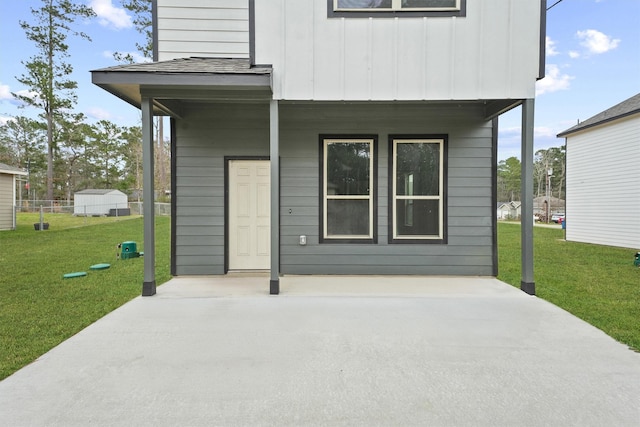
{"type": "Point", "coordinates": [396, 5]}
{"type": "Point", "coordinates": [348, 168]}
{"type": "Point", "coordinates": [417, 193]}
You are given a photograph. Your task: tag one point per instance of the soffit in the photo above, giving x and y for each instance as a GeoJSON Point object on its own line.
{"type": "Point", "coordinates": [186, 79]}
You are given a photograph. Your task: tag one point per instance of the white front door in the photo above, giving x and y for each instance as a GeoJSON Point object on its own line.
{"type": "Point", "coordinates": [249, 215]}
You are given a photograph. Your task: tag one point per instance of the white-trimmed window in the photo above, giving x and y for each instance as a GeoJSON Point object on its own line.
{"type": "Point", "coordinates": [348, 192]}
{"type": "Point", "coordinates": [396, 5]}
{"type": "Point", "coordinates": [417, 195]}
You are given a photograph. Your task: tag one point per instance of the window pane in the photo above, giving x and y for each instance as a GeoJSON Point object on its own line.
{"type": "Point", "coordinates": [348, 168]}
{"type": "Point", "coordinates": [448, 4]}
{"type": "Point", "coordinates": [417, 218]}
{"type": "Point", "coordinates": [363, 4]}
{"type": "Point", "coordinates": [347, 217]}
{"type": "Point", "coordinates": [417, 169]}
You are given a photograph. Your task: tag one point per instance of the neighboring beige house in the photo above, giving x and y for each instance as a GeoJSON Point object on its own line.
{"type": "Point", "coordinates": [603, 177]}
{"type": "Point", "coordinates": [509, 210]}
{"type": "Point", "coordinates": [8, 196]}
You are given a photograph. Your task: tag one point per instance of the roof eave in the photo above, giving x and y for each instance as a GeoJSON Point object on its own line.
{"type": "Point", "coordinates": [13, 172]}
{"type": "Point", "coordinates": [582, 126]}
{"type": "Point", "coordinates": [131, 85]}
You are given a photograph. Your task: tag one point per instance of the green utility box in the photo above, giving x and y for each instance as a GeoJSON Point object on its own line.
{"type": "Point", "coordinates": [129, 250]}
{"type": "Point", "coordinates": [637, 260]}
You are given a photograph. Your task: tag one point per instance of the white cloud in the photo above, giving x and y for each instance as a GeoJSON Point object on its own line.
{"type": "Point", "coordinates": [553, 81]}
{"type": "Point", "coordinates": [5, 92]}
{"type": "Point", "coordinates": [137, 57]}
{"type": "Point", "coordinates": [538, 132]}
{"type": "Point", "coordinates": [109, 15]}
{"type": "Point", "coordinates": [35, 96]}
{"type": "Point", "coordinates": [510, 131]}
{"type": "Point", "coordinates": [4, 120]}
{"type": "Point", "coordinates": [544, 132]}
{"type": "Point", "coordinates": [597, 42]}
{"type": "Point", "coordinates": [574, 54]}
{"type": "Point", "coordinates": [550, 47]}
{"type": "Point", "coordinates": [99, 113]}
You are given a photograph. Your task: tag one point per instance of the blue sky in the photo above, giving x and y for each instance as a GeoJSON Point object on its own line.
{"type": "Point", "coordinates": [593, 63]}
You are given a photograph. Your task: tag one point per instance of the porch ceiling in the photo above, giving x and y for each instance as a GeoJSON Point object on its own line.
{"type": "Point", "coordinates": [170, 83]}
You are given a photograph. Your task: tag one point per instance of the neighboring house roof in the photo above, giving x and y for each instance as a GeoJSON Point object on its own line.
{"type": "Point", "coordinates": [194, 78]}
{"type": "Point", "coordinates": [510, 205]}
{"type": "Point", "coordinates": [98, 192]}
{"type": "Point", "coordinates": [10, 170]}
{"type": "Point", "coordinates": [623, 109]}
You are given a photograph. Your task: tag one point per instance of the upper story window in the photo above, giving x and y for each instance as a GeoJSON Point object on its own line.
{"type": "Point", "coordinates": [396, 8]}
{"type": "Point", "coordinates": [395, 5]}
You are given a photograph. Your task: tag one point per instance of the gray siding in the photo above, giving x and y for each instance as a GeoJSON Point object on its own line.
{"type": "Point", "coordinates": [204, 137]}
{"type": "Point", "coordinates": [208, 133]}
{"type": "Point", "coordinates": [469, 247]}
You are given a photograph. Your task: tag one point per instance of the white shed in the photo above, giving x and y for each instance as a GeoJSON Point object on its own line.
{"type": "Point", "coordinates": [603, 182]}
{"type": "Point", "coordinates": [100, 202]}
{"type": "Point", "coordinates": [8, 196]}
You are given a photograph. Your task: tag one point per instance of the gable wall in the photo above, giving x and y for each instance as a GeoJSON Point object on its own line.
{"type": "Point", "coordinates": [603, 184]}
{"type": "Point", "coordinates": [210, 132]}
{"type": "Point", "coordinates": [203, 28]}
{"type": "Point", "coordinates": [491, 53]}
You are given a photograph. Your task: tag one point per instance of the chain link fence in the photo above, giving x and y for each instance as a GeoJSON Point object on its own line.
{"type": "Point", "coordinates": [112, 209]}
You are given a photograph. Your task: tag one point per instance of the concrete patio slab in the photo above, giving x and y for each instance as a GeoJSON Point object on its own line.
{"type": "Point", "coordinates": [360, 351]}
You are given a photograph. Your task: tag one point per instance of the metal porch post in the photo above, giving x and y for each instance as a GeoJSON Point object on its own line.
{"type": "Point", "coordinates": [274, 150]}
{"type": "Point", "coordinates": [148, 196]}
{"type": "Point", "coordinates": [527, 283]}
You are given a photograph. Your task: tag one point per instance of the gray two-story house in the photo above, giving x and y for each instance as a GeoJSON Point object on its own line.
{"type": "Point", "coordinates": [335, 136]}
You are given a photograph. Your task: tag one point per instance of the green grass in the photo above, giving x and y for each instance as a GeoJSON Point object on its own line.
{"type": "Point", "coordinates": [38, 308]}
{"type": "Point", "coordinates": [598, 284]}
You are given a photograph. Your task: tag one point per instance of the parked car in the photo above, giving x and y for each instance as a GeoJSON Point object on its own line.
{"type": "Point", "coordinates": [557, 217]}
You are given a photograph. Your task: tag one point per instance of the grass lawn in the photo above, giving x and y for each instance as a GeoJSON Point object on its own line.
{"type": "Point", "coordinates": [38, 308]}
{"type": "Point", "coordinates": [598, 284]}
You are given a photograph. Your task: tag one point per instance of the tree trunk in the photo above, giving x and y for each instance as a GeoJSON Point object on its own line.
{"type": "Point", "coordinates": [49, 156]}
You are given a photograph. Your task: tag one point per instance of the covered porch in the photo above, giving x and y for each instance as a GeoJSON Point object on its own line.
{"type": "Point", "coordinates": [166, 88]}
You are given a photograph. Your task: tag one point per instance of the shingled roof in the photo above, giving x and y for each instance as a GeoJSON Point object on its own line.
{"type": "Point", "coordinates": [623, 109]}
{"type": "Point", "coordinates": [10, 170]}
{"type": "Point", "coordinates": [171, 82]}
{"type": "Point", "coordinates": [193, 66]}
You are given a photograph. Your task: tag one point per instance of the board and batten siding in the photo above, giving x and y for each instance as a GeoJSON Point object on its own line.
{"type": "Point", "coordinates": [7, 200]}
{"type": "Point", "coordinates": [202, 28]}
{"type": "Point", "coordinates": [603, 184]}
{"type": "Point", "coordinates": [208, 133]}
{"type": "Point", "coordinates": [491, 53]}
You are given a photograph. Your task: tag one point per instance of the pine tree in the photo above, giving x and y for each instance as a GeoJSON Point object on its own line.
{"type": "Point", "coordinates": [47, 73]}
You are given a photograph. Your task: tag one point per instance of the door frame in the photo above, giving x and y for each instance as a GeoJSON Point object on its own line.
{"type": "Point", "coordinates": [227, 159]}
